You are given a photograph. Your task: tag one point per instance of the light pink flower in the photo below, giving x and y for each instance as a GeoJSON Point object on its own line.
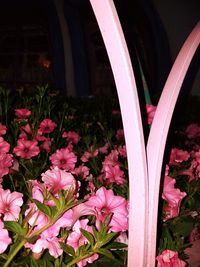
{"type": "Point", "coordinates": [106, 203]}
{"type": "Point", "coordinates": [52, 243]}
{"type": "Point", "coordinates": [5, 240]}
{"type": "Point", "coordinates": [120, 134]}
{"type": "Point", "coordinates": [177, 156]}
{"type": "Point", "coordinates": [192, 131]}
{"type": "Point", "coordinates": [173, 197]}
{"type": "Point", "coordinates": [3, 129]}
{"type": "Point", "coordinates": [47, 126]}
{"type": "Point", "coordinates": [57, 179]}
{"type": "Point", "coordinates": [71, 136]}
{"type": "Point", "coordinates": [169, 258]}
{"type": "Point", "coordinates": [64, 159]}
{"type": "Point", "coordinates": [22, 113]}
{"type": "Point", "coordinates": [6, 161]}
{"type": "Point", "coordinates": [76, 239]}
{"type": "Point", "coordinates": [10, 204]}
{"type": "Point", "coordinates": [114, 174]}
{"type": "Point", "coordinates": [4, 146]}
{"type": "Point", "coordinates": [26, 148]}
{"type": "Point", "coordinates": [150, 113]}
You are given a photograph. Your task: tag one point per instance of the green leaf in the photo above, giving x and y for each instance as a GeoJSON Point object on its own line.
{"type": "Point", "coordinates": [14, 227]}
{"type": "Point", "coordinates": [106, 253]}
{"type": "Point", "coordinates": [116, 245]}
{"type": "Point", "coordinates": [42, 207]}
{"type": "Point", "coordinates": [88, 236]}
{"type": "Point", "coordinates": [68, 249]}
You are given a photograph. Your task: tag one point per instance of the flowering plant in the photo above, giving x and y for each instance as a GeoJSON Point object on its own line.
{"type": "Point", "coordinates": [64, 184]}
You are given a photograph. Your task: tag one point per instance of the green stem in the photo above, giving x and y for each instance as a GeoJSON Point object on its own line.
{"type": "Point", "coordinates": [74, 261]}
{"type": "Point", "coordinates": [15, 251]}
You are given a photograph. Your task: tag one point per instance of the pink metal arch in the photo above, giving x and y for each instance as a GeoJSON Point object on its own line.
{"type": "Point", "coordinates": [118, 53]}
{"type": "Point", "coordinates": [143, 192]}
{"type": "Point", "coordinates": [159, 130]}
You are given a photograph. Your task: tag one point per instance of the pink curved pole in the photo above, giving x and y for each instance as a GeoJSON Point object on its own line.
{"type": "Point", "coordinates": [111, 31]}
{"type": "Point", "coordinates": [159, 130]}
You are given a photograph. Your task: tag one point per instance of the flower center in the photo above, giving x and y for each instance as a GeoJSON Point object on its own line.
{"type": "Point", "coordinates": [62, 161]}
{"type": "Point", "coordinates": [26, 149]}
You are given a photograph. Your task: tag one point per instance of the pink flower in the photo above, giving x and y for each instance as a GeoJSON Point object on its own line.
{"type": "Point", "coordinates": [47, 126]}
{"type": "Point", "coordinates": [120, 134]}
{"type": "Point", "coordinates": [64, 159]}
{"type": "Point", "coordinates": [76, 239]}
{"type": "Point", "coordinates": [113, 174]}
{"type": "Point", "coordinates": [177, 156]}
{"type": "Point", "coordinates": [10, 204]}
{"type": "Point", "coordinates": [6, 161]}
{"type": "Point", "coordinates": [57, 179]}
{"type": "Point", "coordinates": [169, 258]}
{"type": "Point", "coordinates": [104, 149]}
{"type": "Point", "coordinates": [22, 113]}
{"type": "Point", "coordinates": [81, 210]}
{"type": "Point", "coordinates": [5, 240]}
{"type": "Point", "coordinates": [71, 137]}
{"type": "Point", "coordinates": [3, 129]}
{"type": "Point", "coordinates": [150, 113]}
{"type": "Point", "coordinates": [26, 148]}
{"type": "Point", "coordinates": [194, 235]}
{"type": "Point", "coordinates": [106, 203]}
{"type": "Point", "coordinates": [82, 171]}
{"type": "Point", "coordinates": [25, 131]}
{"type": "Point", "coordinates": [192, 131]}
{"type": "Point", "coordinates": [193, 169]}
{"type": "Point", "coordinates": [173, 196]}
{"type": "Point", "coordinates": [122, 151]}
{"type": "Point", "coordinates": [89, 154]}
{"type": "Point", "coordinates": [111, 159]}
{"type": "Point", "coordinates": [46, 145]}
{"type": "Point", "coordinates": [4, 146]}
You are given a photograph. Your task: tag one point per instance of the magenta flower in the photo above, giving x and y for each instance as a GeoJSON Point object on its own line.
{"type": "Point", "coordinates": [114, 174]}
{"type": "Point", "coordinates": [64, 159]}
{"type": "Point", "coordinates": [71, 136]}
{"type": "Point", "coordinates": [47, 126]}
{"type": "Point", "coordinates": [173, 196]}
{"type": "Point", "coordinates": [177, 156]}
{"type": "Point", "coordinates": [3, 129]}
{"type": "Point", "coordinates": [169, 258]}
{"type": "Point", "coordinates": [192, 131]}
{"type": "Point", "coordinates": [150, 113]}
{"type": "Point", "coordinates": [57, 179]}
{"type": "Point", "coordinates": [122, 151]}
{"type": "Point", "coordinates": [104, 149]}
{"type": "Point", "coordinates": [22, 113]}
{"type": "Point", "coordinates": [82, 171]}
{"type": "Point", "coordinates": [4, 146]}
{"type": "Point", "coordinates": [26, 148]}
{"type": "Point", "coordinates": [76, 239]}
{"type": "Point", "coordinates": [120, 134]}
{"type": "Point", "coordinates": [106, 203]}
{"type": "Point", "coordinates": [89, 154]}
{"type": "Point", "coordinates": [5, 240]}
{"type": "Point", "coordinates": [6, 161]}
{"type": "Point", "coordinates": [111, 159]}
{"type": "Point", "coordinates": [10, 204]}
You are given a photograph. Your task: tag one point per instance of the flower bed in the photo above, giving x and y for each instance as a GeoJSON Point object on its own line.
{"type": "Point", "coordinates": [64, 184]}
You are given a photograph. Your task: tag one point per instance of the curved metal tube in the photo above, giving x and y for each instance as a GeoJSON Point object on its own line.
{"type": "Point", "coordinates": [110, 27]}
{"type": "Point", "coordinates": [159, 130]}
